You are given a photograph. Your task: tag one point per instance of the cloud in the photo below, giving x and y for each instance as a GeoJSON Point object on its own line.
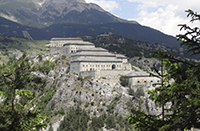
{"type": "Point", "coordinates": [106, 5]}
{"type": "Point", "coordinates": [165, 15]}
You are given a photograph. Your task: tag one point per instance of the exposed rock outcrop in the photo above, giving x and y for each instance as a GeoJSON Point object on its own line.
{"type": "Point", "coordinates": [95, 95]}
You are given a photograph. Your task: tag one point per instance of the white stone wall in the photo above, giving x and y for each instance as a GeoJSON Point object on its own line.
{"type": "Point", "coordinates": [148, 81]}
{"type": "Point", "coordinates": [126, 66]}
{"type": "Point", "coordinates": [74, 48]}
{"type": "Point", "coordinates": [75, 68]}
{"type": "Point", "coordinates": [92, 66]}
{"type": "Point", "coordinates": [67, 49]}
{"type": "Point", "coordinates": [105, 73]}
{"type": "Point", "coordinates": [57, 43]}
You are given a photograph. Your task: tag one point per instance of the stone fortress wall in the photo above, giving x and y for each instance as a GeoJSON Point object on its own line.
{"type": "Point", "coordinates": [105, 73]}
{"type": "Point", "coordinates": [87, 60]}
{"type": "Point", "coordinates": [67, 46]}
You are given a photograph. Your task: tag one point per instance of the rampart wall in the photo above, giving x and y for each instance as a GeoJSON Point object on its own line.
{"type": "Point", "coordinates": [59, 51]}
{"type": "Point", "coordinates": [143, 80]}
{"type": "Point", "coordinates": [97, 74]}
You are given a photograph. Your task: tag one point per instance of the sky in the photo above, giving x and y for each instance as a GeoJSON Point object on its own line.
{"type": "Point", "coordinates": [162, 15]}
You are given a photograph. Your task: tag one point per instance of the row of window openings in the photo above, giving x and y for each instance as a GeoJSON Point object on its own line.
{"type": "Point", "coordinates": [74, 48]}
{"type": "Point", "coordinates": [92, 69]}
{"type": "Point", "coordinates": [146, 81]}
{"type": "Point", "coordinates": [99, 66]}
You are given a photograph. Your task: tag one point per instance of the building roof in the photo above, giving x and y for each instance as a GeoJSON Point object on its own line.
{"type": "Point", "coordinates": [138, 74]}
{"type": "Point", "coordinates": [69, 39]}
{"type": "Point", "coordinates": [93, 53]}
{"type": "Point", "coordinates": [96, 49]}
{"type": "Point", "coordinates": [96, 59]}
{"type": "Point", "coordinates": [120, 56]}
{"type": "Point", "coordinates": [77, 43]}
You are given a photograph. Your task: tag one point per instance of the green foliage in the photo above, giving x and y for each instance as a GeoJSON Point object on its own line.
{"type": "Point", "coordinates": [45, 66]}
{"type": "Point", "coordinates": [124, 81]}
{"type": "Point", "coordinates": [44, 100]}
{"type": "Point", "coordinates": [97, 123]}
{"type": "Point", "coordinates": [68, 69]}
{"type": "Point", "coordinates": [131, 91]}
{"type": "Point", "coordinates": [75, 120]}
{"type": "Point", "coordinates": [18, 85]}
{"type": "Point", "coordinates": [63, 57]}
{"type": "Point", "coordinates": [9, 45]}
{"type": "Point", "coordinates": [110, 121]}
{"type": "Point", "coordinates": [111, 106]}
{"type": "Point", "coordinates": [50, 128]}
{"type": "Point", "coordinates": [61, 112]}
{"type": "Point", "coordinates": [183, 93]}
{"type": "Point", "coordinates": [87, 104]}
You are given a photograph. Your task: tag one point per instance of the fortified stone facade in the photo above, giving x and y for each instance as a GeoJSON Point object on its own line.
{"type": "Point", "coordinates": [67, 46]}
{"type": "Point", "coordinates": [98, 59]}
{"type": "Point", "coordinates": [87, 60]}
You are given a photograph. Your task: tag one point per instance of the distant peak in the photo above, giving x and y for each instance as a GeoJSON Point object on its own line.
{"type": "Point", "coordinates": [41, 2]}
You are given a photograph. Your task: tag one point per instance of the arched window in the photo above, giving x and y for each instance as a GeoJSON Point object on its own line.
{"type": "Point", "coordinates": [113, 66]}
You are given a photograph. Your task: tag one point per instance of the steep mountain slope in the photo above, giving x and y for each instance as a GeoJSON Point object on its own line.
{"type": "Point", "coordinates": [20, 11]}
{"type": "Point", "coordinates": [134, 31]}
{"type": "Point", "coordinates": [11, 28]}
{"type": "Point", "coordinates": [70, 18]}
{"type": "Point", "coordinates": [38, 13]}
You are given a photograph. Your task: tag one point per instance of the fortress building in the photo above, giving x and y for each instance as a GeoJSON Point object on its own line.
{"type": "Point", "coordinates": [98, 59]}
{"type": "Point", "coordinates": [87, 60]}
{"type": "Point", "coordinates": [67, 46]}
{"type": "Point", "coordinates": [86, 57]}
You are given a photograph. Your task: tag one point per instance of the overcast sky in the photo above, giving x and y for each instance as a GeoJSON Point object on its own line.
{"type": "Point", "coordinates": [163, 15]}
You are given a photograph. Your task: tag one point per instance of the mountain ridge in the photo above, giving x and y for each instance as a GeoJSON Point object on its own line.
{"type": "Point", "coordinates": [38, 13]}
{"type": "Point", "coordinates": [44, 19]}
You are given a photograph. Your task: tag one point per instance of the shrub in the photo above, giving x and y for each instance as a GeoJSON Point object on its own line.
{"type": "Point", "coordinates": [124, 81]}
{"type": "Point", "coordinates": [110, 122]}
{"type": "Point", "coordinates": [61, 112]}
{"type": "Point", "coordinates": [97, 123]}
{"type": "Point", "coordinates": [63, 57]}
{"type": "Point", "coordinates": [139, 92]}
{"type": "Point", "coordinates": [131, 91]}
{"type": "Point", "coordinates": [75, 120]}
{"type": "Point", "coordinates": [86, 104]}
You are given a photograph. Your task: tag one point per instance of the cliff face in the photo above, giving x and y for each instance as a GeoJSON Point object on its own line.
{"type": "Point", "coordinates": [96, 96]}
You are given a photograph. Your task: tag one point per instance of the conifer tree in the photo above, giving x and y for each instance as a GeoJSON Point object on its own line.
{"type": "Point", "coordinates": [18, 85]}
{"type": "Point", "coordinates": [183, 94]}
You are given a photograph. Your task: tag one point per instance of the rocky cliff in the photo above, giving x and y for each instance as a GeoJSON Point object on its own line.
{"type": "Point", "coordinates": [100, 96]}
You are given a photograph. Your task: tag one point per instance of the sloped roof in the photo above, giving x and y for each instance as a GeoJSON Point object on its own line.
{"type": "Point", "coordinates": [138, 74]}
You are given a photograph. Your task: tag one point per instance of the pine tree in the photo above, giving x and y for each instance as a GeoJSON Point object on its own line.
{"type": "Point", "coordinates": [18, 85]}
{"type": "Point", "coordinates": [183, 94]}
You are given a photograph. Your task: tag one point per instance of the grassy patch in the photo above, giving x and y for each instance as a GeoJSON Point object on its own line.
{"type": "Point", "coordinates": [10, 45]}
